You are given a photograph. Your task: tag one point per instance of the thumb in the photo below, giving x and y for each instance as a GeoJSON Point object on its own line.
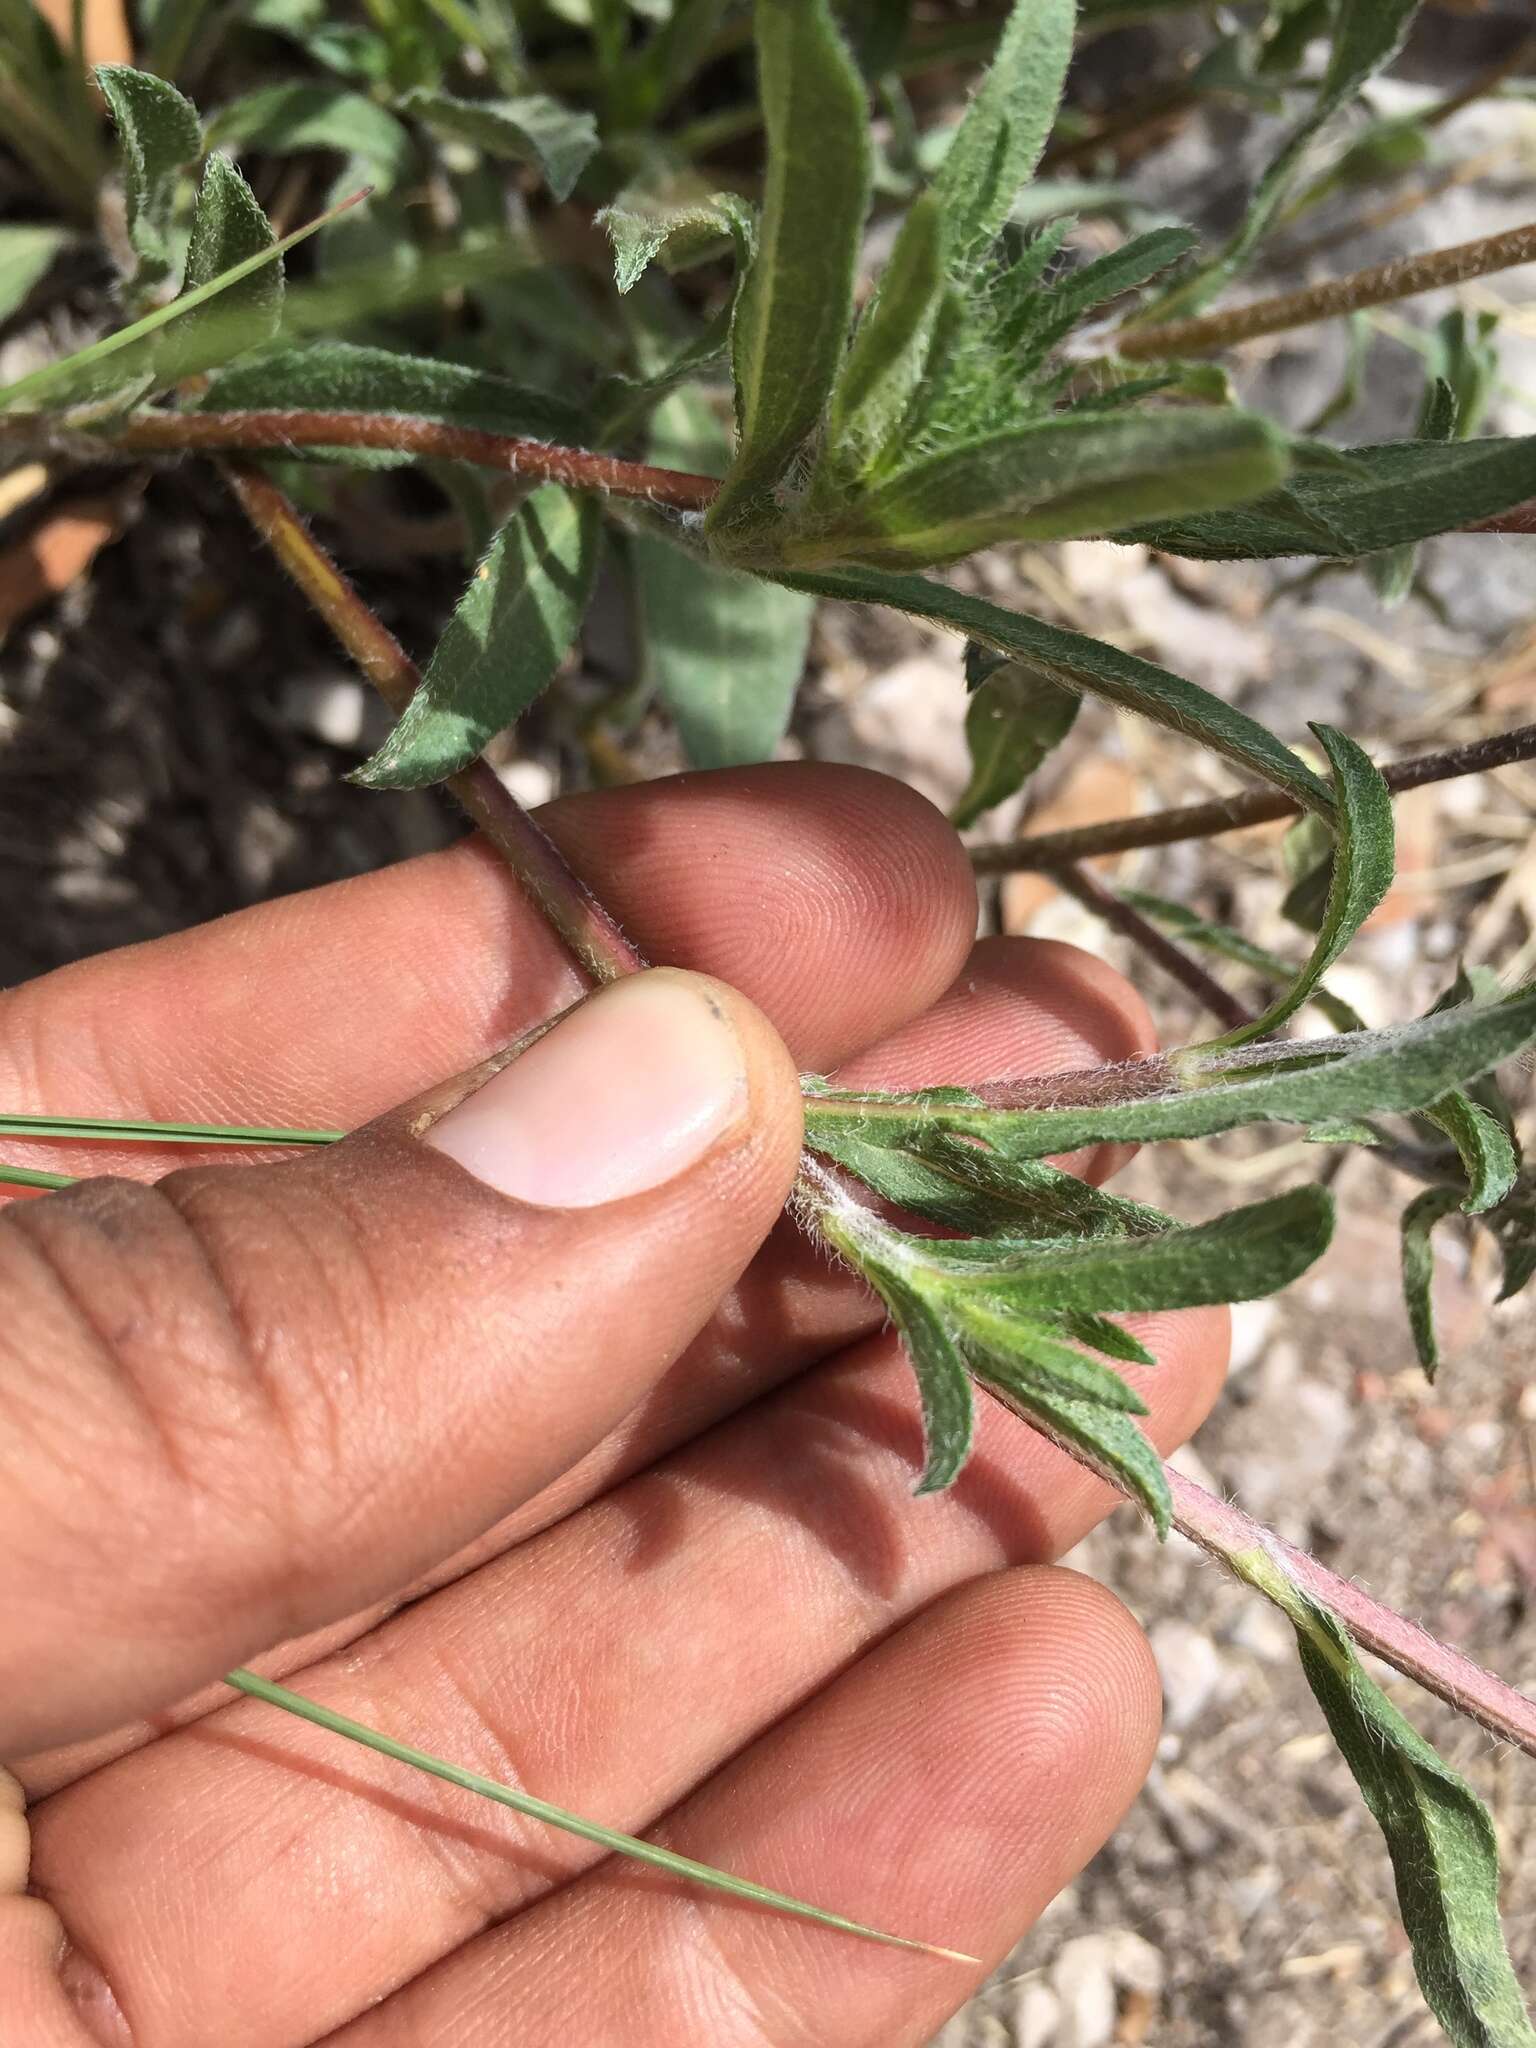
{"type": "Point", "coordinates": [246, 1401]}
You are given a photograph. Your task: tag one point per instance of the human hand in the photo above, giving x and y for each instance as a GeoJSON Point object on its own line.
{"type": "Point", "coordinates": [607, 1497]}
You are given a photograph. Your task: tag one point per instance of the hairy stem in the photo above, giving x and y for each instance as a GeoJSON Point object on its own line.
{"type": "Point", "coordinates": [180, 433]}
{"type": "Point", "coordinates": [1143, 934]}
{"type": "Point", "coordinates": [1403, 277]}
{"type": "Point", "coordinates": [560, 895]}
{"type": "Point", "coordinates": [1050, 850]}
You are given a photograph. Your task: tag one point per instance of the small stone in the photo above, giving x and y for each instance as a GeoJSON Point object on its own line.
{"type": "Point", "coordinates": [1191, 1669]}
{"type": "Point", "coordinates": [531, 782]}
{"type": "Point", "coordinates": [1036, 2015]}
{"type": "Point", "coordinates": [1082, 1978]}
{"type": "Point", "coordinates": [1137, 1965]}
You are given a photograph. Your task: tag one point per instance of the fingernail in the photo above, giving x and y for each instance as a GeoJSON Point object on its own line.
{"type": "Point", "coordinates": [15, 1836]}
{"type": "Point", "coordinates": [625, 1093]}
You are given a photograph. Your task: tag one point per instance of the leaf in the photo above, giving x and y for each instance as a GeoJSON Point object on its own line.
{"type": "Point", "coordinates": [92, 372]}
{"type": "Point", "coordinates": [281, 120]}
{"type": "Point", "coordinates": [1055, 480]}
{"type": "Point", "coordinates": [1442, 1844]}
{"type": "Point", "coordinates": [793, 311]}
{"type": "Point", "coordinates": [1240, 1256]}
{"type": "Point", "coordinates": [159, 132]}
{"type": "Point", "coordinates": [1514, 1225]}
{"type": "Point", "coordinates": [1367, 35]}
{"type": "Point", "coordinates": [1110, 1442]}
{"type": "Point", "coordinates": [1078, 662]}
{"type": "Point", "coordinates": [679, 235]}
{"type": "Point", "coordinates": [1484, 1147]}
{"type": "Point", "coordinates": [1363, 864]}
{"type": "Point", "coordinates": [1107, 277]}
{"type": "Point", "coordinates": [1024, 1341]}
{"type": "Point", "coordinates": [228, 227]}
{"type": "Point", "coordinates": [999, 142]}
{"type": "Point", "coordinates": [1419, 1219]}
{"type": "Point", "coordinates": [1232, 945]}
{"type": "Point", "coordinates": [1367, 1073]}
{"type": "Point", "coordinates": [890, 344]}
{"type": "Point", "coordinates": [339, 376]}
{"type": "Point", "coordinates": [1013, 721]}
{"type": "Point", "coordinates": [26, 256]}
{"type": "Point", "coordinates": [531, 129]}
{"type": "Point", "coordinates": [1402, 491]}
{"type": "Point", "coordinates": [554, 1816]}
{"type": "Point", "coordinates": [502, 646]}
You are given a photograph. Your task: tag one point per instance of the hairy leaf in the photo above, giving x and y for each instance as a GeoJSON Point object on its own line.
{"type": "Point", "coordinates": [793, 311]}
{"type": "Point", "coordinates": [502, 646]}
{"type": "Point", "coordinates": [1367, 1073]}
{"type": "Point", "coordinates": [338, 376]}
{"type": "Point", "coordinates": [1400, 491]}
{"type": "Point", "coordinates": [159, 133]}
{"type": "Point", "coordinates": [1078, 662]}
{"type": "Point", "coordinates": [679, 234]}
{"type": "Point", "coordinates": [1419, 1219]}
{"type": "Point", "coordinates": [1363, 863]}
{"type": "Point", "coordinates": [1441, 1841]}
{"type": "Point", "coordinates": [531, 129]}
{"type": "Point", "coordinates": [1014, 720]}
{"type": "Point", "coordinates": [1052, 481]}
{"type": "Point", "coordinates": [890, 344]}
{"type": "Point", "coordinates": [280, 120]}
{"type": "Point", "coordinates": [1110, 1441]}
{"type": "Point", "coordinates": [1484, 1145]}
{"type": "Point", "coordinates": [228, 226]}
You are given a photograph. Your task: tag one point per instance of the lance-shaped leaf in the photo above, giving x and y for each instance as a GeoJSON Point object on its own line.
{"type": "Point", "coordinates": [677, 233]}
{"type": "Point", "coordinates": [26, 255]}
{"type": "Point", "coordinates": [1052, 481]}
{"type": "Point", "coordinates": [559, 141]}
{"type": "Point", "coordinates": [338, 376]}
{"type": "Point", "coordinates": [159, 133]}
{"type": "Point", "coordinates": [1367, 34]}
{"type": "Point", "coordinates": [1363, 864]}
{"type": "Point", "coordinates": [1081, 663]}
{"type": "Point", "coordinates": [1367, 1073]}
{"type": "Point", "coordinates": [228, 226]}
{"type": "Point", "coordinates": [792, 313]}
{"type": "Point", "coordinates": [1105, 1438]}
{"type": "Point", "coordinates": [1111, 1338]}
{"type": "Point", "coordinates": [283, 119]}
{"type": "Point", "coordinates": [1091, 285]}
{"type": "Point", "coordinates": [890, 345]}
{"type": "Point", "coordinates": [991, 1333]}
{"type": "Point", "coordinates": [1442, 1845]}
{"type": "Point", "coordinates": [1228, 944]}
{"type": "Point", "coordinates": [1399, 492]}
{"type": "Point", "coordinates": [502, 646]}
{"type": "Point", "coordinates": [1016, 716]}
{"type": "Point", "coordinates": [1419, 1220]}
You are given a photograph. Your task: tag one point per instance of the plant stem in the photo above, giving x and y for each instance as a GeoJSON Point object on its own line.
{"type": "Point", "coordinates": [559, 894]}
{"type": "Point", "coordinates": [1400, 278]}
{"type": "Point", "coordinates": [1142, 933]}
{"type": "Point", "coordinates": [151, 433]}
{"type": "Point", "coordinates": [1050, 850]}
{"type": "Point", "coordinates": [1226, 1533]}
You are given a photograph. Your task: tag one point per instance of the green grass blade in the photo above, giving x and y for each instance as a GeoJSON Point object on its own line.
{"type": "Point", "coordinates": [139, 1130]}
{"type": "Point", "coordinates": [555, 1816]}
{"type": "Point", "coordinates": [43, 381]}
{"type": "Point", "coordinates": [29, 1177]}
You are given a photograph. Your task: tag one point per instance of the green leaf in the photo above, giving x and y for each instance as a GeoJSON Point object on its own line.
{"type": "Point", "coordinates": [556, 1817]}
{"type": "Point", "coordinates": [1513, 1223]}
{"type": "Point", "coordinates": [501, 648]}
{"type": "Point", "coordinates": [1078, 662]}
{"type": "Point", "coordinates": [1110, 1338]}
{"type": "Point", "coordinates": [1484, 1146]}
{"type": "Point", "coordinates": [159, 132]}
{"type": "Point", "coordinates": [531, 129]}
{"type": "Point", "coordinates": [793, 311]}
{"type": "Point", "coordinates": [992, 1334]}
{"type": "Point", "coordinates": [1402, 491]}
{"type": "Point", "coordinates": [1013, 721]}
{"type": "Point", "coordinates": [1004, 130]}
{"type": "Point", "coordinates": [1107, 277]}
{"type": "Point", "coordinates": [1367, 35]}
{"type": "Point", "coordinates": [1442, 1844]}
{"type": "Point", "coordinates": [1232, 945]}
{"type": "Point", "coordinates": [228, 227]}
{"type": "Point", "coordinates": [280, 120]}
{"type": "Point", "coordinates": [1363, 865]}
{"type": "Point", "coordinates": [1366, 1073]}
{"type": "Point", "coordinates": [26, 256]}
{"type": "Point", "coordinates": [680, 235]}
{"type": "Point", "coordinates": [1058, 479]}
{"type": "Point", "coordinates": [1111, 1442]}
{"type": "Point", "coordinates": [1419, 1219]}
{"type": "Point", "coordinates": [339, 376]}
{"type": "Point", "coordinates": [890, 344]}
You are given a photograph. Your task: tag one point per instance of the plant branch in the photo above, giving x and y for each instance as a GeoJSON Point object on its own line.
{"type": "Point", "coordinates": [1050, 850]}
{"type": "Point", "coordinates": [1143, 934]}
{"type": "Point", "coordinates": [1403, 277]}
{"type": "Point", "coordinates": [560, 895]}
{"type": "Point", "coordinates": [152, 433]}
